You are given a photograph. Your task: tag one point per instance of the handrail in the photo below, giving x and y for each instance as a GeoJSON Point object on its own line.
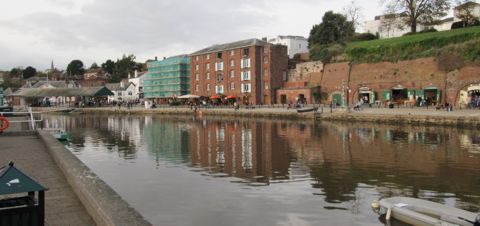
{"type": "Point", "coordinates": [29, 114]}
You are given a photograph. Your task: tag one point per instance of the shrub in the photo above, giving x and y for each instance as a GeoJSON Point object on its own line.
{"type": "Point", "coordinates": [364, 37]}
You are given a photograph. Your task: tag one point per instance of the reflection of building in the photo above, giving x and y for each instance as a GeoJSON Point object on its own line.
{"type": "Point", "coordinates": [167, 141]}
{"type": "Point", "coordinates": [241, 149]}
{"type": "Point", "coordinates": [249, 71]}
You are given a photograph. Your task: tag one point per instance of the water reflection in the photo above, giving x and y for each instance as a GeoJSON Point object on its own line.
{"type": "Point", "coordinates": [345, 165]}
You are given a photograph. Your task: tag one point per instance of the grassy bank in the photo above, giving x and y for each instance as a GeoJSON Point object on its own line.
{"type": "Point", "coordinates": [462, 42]}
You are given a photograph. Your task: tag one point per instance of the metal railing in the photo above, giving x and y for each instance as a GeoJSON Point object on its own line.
{"type": "Point", "coordinates": [29, 114]}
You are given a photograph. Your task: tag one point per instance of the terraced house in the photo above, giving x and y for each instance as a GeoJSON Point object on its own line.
{"type": "Point", "coordinates": [248, 71]}
{"type": "Point", "coordinates": [167, 78]}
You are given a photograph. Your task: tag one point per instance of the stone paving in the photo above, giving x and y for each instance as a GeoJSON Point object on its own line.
{"type": "Point", "coordinates": [62, 206]}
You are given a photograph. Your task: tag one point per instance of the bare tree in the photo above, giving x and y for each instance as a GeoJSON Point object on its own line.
{"type": "Point", "coordinates": [465, 11]}
{"type": "Point", "coordinates": [353, 13]}
{"type": "Point", "coordinates": [418, 11]}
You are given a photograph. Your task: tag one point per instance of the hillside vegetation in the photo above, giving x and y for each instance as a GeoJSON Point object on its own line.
{"type": "Point", "coordinates": [464, 43]}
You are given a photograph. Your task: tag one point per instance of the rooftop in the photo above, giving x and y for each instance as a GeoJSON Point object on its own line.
{"type": "Point", "coordinates": [231, 45]}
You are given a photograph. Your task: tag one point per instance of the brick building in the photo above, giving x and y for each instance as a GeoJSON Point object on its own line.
{"type": "Point", "coordinates": [248, 71]}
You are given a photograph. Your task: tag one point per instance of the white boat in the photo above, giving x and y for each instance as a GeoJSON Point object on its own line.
{"type": "Point", "coordinates": [424, 213]}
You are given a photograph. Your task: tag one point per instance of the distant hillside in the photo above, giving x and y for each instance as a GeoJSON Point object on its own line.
{"type": "Point", "coordinates": [464, 43]}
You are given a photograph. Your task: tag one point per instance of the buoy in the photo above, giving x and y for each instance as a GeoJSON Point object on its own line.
{"type": "Point", "coordinates": [375, 206]}
{"type": "Point", "coordinates": [5, 123]}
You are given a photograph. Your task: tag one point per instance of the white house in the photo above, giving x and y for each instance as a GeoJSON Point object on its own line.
{"type": "Point", "coordinates": [138, 80]}
{"type": "Point", "coordinates": [122, 92]}
{"type": "Point", "coordinates": [470, 7]}
{"type": "Point", "coordinates": [295, 44]}
{"type": "Point", "coordinates": [393, 25]}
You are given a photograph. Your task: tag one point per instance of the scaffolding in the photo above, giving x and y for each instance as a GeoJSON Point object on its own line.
{"type": "Point", "coordinates": [168, 78]}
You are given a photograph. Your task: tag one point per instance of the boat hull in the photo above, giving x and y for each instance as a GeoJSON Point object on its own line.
{"type": "Point", "coordinates": [425, 213]}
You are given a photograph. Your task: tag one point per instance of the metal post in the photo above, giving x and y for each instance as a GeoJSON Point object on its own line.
{"type": "Point", "coordinates": [31, 118]}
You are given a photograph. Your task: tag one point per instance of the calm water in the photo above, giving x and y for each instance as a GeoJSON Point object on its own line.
{"type": "Point", "coordinates": [207, 171]}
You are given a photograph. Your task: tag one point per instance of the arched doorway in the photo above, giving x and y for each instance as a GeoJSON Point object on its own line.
{"type": "Point", "coordinates": [469, 97]}
{"type": "Point", "coordinates": [301, 99]}
{"type": "Point", "coordinates": [366, 95]}
{"type": "Point", "coordinates": [337, 99]}
{"type": "Point", "coordinates": [399, 94]}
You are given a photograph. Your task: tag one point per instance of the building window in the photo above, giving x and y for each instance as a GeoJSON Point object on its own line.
{"type": "Point", "coordinates": [246, 88]}
{"type": "Point", "coordinates": [266, 86]}
{"type": "Point", "coordinates": [245, 63]}
{"type": "Point", "coordinates": [208, 75]}
{"type": "Point", "coordinates": [232, 63]}
{"type": "Point", "coordinates": [196, 58]}
{"type": "Point", "coordinates": [219, 89]}
{"type": "Point", "coordinates": [246, 75]}
{"type": "Point", "coordinates": [265, 60]}
{"type": "Point", "coordinates": [265, 73]}
{"type": "Point", "coordinates": [219, 78]}
{"type": "Point", "coordinates": [196, 88]}
{"type": "Point", "coordinates": [219, 55]}
{"type": "Point", "coordinates": [265, 50]}
{"type": "Point", "coordinates": [219, 66]}
{"type": "Point", "coordinates": [208, 87]}
{"type": "Point", "coordinates": [246, 52]}
{"type": "Point", "coordinates": [232, 86]}
{"type": "Point", "coordinates": [232, 52]}
{"type": "Point", "coordinates": [196, 67]}
{"type": "Point", "coordinates": [208, 57]}
{"type": "Point", "coordinates": [284, 76]}
{"type": "Point", "coordinates": [208, 66]}
{"type": "Point", "coordinates": [232, 74]}
{"type": "Point", "coordinates": [197, 77]}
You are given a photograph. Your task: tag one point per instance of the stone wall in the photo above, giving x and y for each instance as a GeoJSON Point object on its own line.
{"type": "Point", "coordinates": [412, 75]}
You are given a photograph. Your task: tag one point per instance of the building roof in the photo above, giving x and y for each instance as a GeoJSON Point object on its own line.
{"type": "Point", "coordinates": [466, 5]}
{"type": "Point", "coordinates": [287, 37]}
{"type": "Point", "coordinates": [65, 92]}
{"type": "Point", "coordinates": [114, 86]}
{"type": "Point", "coordinates": [14, 181]}
{"type": "Point", "coordinates": [231, 45]}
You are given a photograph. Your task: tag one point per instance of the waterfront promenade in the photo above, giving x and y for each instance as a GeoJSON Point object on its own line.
{"type": "Point", "coordinates": [75, 195]}
{"type": "Point", "coordinates": [62, 207]}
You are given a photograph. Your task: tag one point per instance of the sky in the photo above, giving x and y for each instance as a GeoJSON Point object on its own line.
{"type": "Point", "coordinates": [37, 32]}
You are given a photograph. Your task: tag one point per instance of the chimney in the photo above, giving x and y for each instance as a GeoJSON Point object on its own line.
{"type": "Point", "coordinates": [264, 39]}
{"type": "Point", "coordinates": [164, 58]}
{"type": "Point", "coordinates": [136, 73]}
{"type": "Point", "coordinates": [121, 84]}
{"type": "Point", "coordinates": [156, 58]}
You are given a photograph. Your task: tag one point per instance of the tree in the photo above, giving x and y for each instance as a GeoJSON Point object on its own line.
{"type": "Point", "coordinates": [75, 67]}
{"type": "Point", "coordinates": [94, 66]}
{"type": "Point", "coordinates": [29, 72]}
{"type": "Point", "coordinates": [108, 66]}
{"type": "Point", "coordinates": [465, 11]}
{"type": "Point", "coordinates": [418, 11]}
{"type": "Point", "coordinates": [334, 29]}
{"type": "Point", "coordinates": [123, 67]}
{"type": "Point", "coordinates": [353, 13]}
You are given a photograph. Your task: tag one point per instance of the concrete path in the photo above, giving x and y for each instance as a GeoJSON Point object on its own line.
{"type": "Point", "coordinates": [62, 206]}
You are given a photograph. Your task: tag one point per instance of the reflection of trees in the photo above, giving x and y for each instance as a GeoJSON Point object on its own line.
{"type": "Point", "coordinates": [410, 162]}
{"type": "Point", "coordinates": [110, 131]}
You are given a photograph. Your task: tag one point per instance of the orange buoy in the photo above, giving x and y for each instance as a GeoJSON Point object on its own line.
{"type": "Point", "coordinates": [5, 123]}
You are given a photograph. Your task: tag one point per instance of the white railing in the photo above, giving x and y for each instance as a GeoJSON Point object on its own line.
{"type": "Point", "coordinates": [28, 114]}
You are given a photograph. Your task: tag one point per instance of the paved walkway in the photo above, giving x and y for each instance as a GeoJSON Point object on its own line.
{"type": "Point", "coordinates": [62, 206]}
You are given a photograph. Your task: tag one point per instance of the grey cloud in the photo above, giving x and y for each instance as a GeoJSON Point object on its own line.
{"type": "Point", "coordinates": [134, 27]}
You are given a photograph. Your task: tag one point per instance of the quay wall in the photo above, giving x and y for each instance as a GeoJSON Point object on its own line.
{"type": "Point", "coordinates": [414, 120]}
{"type": "Point", "coordinates": [451, 119]}
{"type": "Point", "coordinates": [103, 204]}
{"type": "Point", "coordinates": [257, 113]}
